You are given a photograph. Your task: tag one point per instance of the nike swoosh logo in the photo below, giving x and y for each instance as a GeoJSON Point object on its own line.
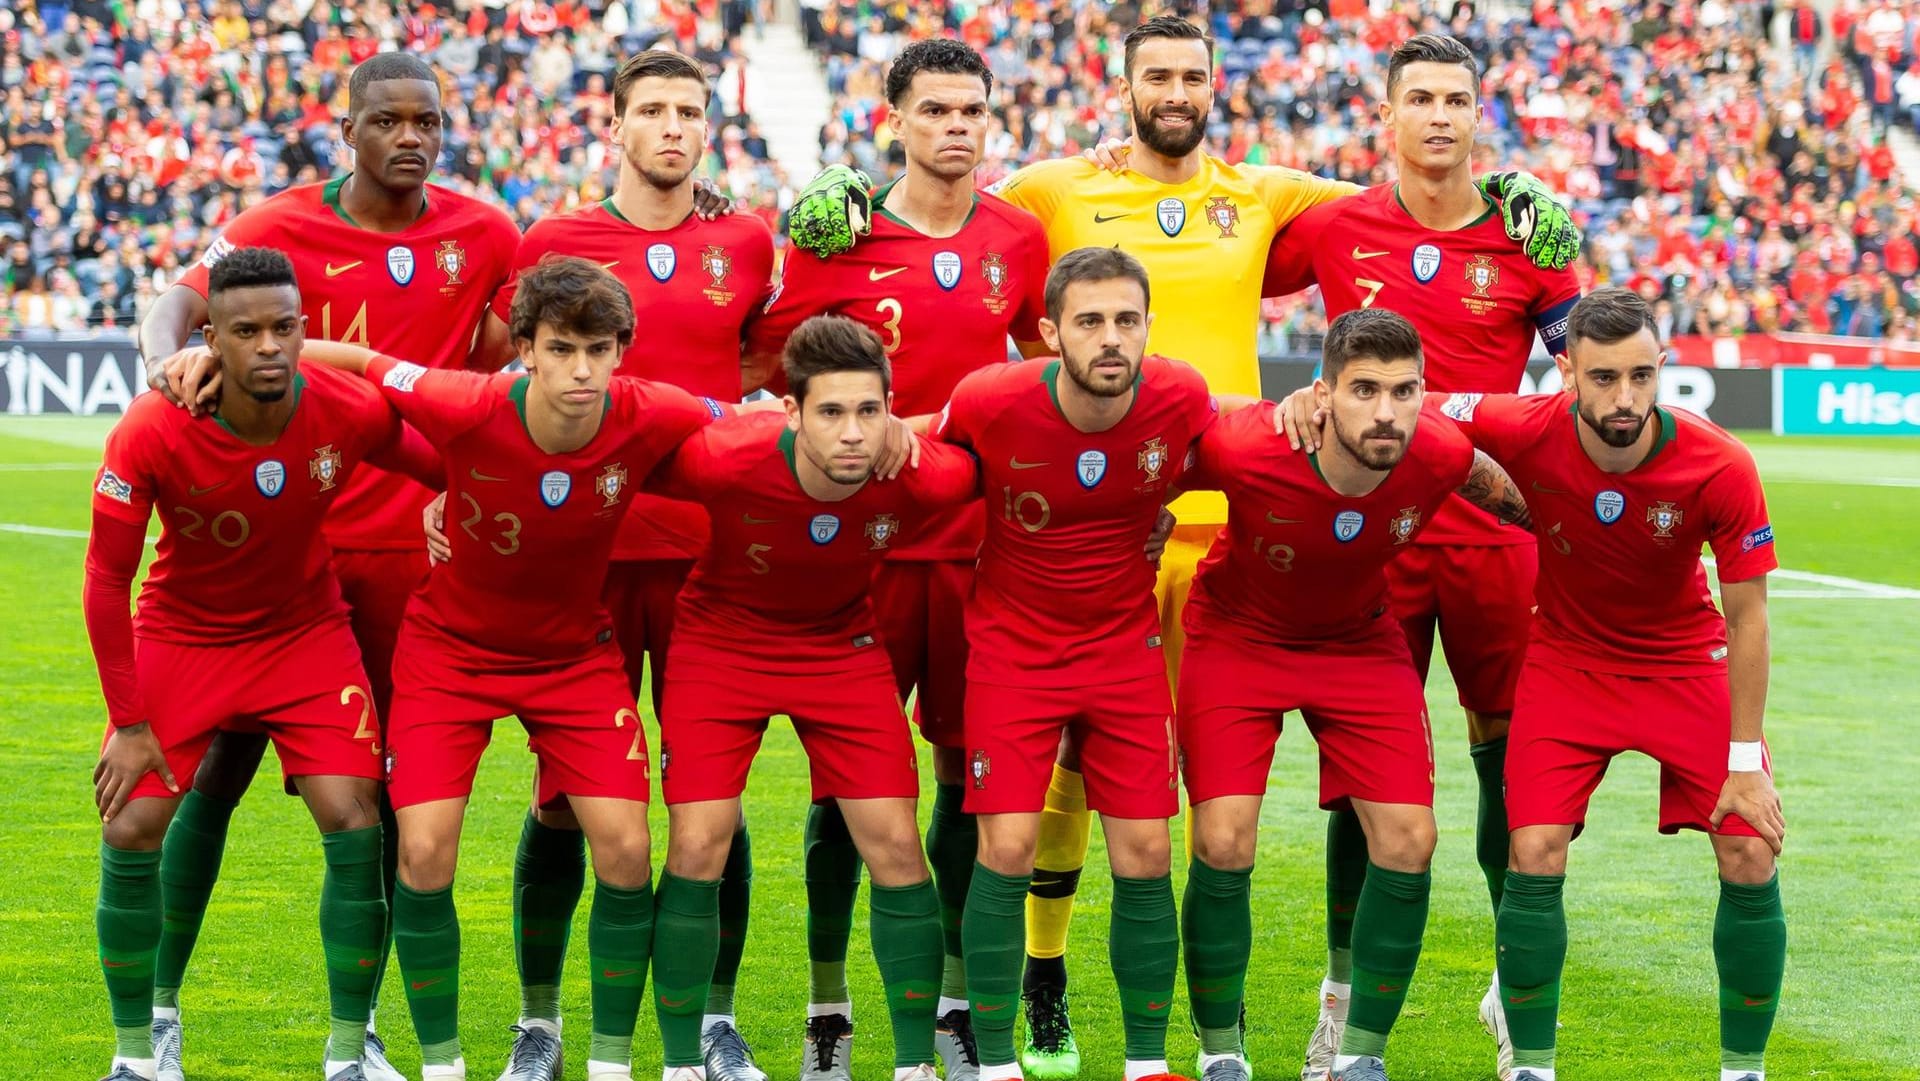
{"type": "Point", "coordinates": [1213, 990]}
{"type": "Point", "coordinates": [985, 1008]}
{"type": "Point", "coordinates": [1544, 490]}
{"type": "Point", "coordinates": [1282, 521]}
{"type": "Point", "coordinates": [198, 491]}
{"type": "Point", "coordinates": [336, 271]}
{"type": "Point", "coordinates": [1386, 990]}
{"type": "Point", "coordinates": [1517, 1000]}
{"type": "Point", "coordinates": [367, 962]}
{"type": "Point", "coordinates": [1155, 1007]}
{"type": "Point", "coordinates": [674, 1003]}
{"type": "Point", "coordinates": [751, 520]}
{"type": "Point", "coordinates": [1102, 219]}
{"type": "Point", "coordinates": [1756, 1001]}
{"type": "Point", "coordinates": [876, 274]}
{"type": "Point", "coordinates": [1015, 463]}
{"type": "Point", "coordinates": [421, 985]}
{"type": "Point", "coordinates": [115, 964]}
{"type": "Point", "coordinates": [1358, 254]}
{"type": "Point", "coordinates": [617, 974]}
{"type": "Point", "coordinates": [610, 266]}
{"type": "Point", "coordinates": [477, 475]}
{"type": "Point", "coordinates": [921, 994]}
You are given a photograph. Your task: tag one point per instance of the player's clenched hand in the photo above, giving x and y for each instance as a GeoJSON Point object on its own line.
{"type": "Point", "coordinates": [1534, 219]}
{"type": "Point", "coordinates": [131, 753]}
{"type": "Point", "coordinates": [1110, 154]}
{"type": "Point", "coordinates": [708, 203]}
{"type": "Point", "coordinates": [191, 378]}
{"type": "Point", "coordinates": [1157, 540]}
{"type": "Point", "coordinates": [1300, 420]}
{"type": "Point", "coordinates": [900, 451]}
{"type": "Point", "coordinates": [833, 209]}
{"type": "Point", "coordinates": [1750, 794]}
{"type": "Point", "coordinates": [434, 521]}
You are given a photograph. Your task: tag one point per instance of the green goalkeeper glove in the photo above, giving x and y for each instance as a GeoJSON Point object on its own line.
{"type": "Point", "coordinates": [831, 211]}
{"type": "Point", "coordinates": [1534, 219]}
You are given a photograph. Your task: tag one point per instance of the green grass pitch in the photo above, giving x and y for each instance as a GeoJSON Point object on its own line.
{"type": "Point", "coordinates": [1640, 981]}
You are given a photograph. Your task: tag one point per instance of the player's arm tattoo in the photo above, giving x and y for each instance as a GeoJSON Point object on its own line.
{"type": "Point", "coordinates": [1489, 488]}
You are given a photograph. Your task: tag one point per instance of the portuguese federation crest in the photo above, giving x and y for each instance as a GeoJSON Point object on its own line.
{"type": "Point", "coordinates": [325, 466]}
{"type": "Point", "coordinates": [610, 483]}
{"type": "Point", "coordinates": [881, 530]}
{"type": "Point", "coordinates": [1223, 214]}
{"type": "Point", "coordinates": [1404, 524]}
{"type": "Point", "coordinates": [716, 262]}
{"type": "Point", "coordinates": [1153, 456]}
{"type": "Point", "coordinates": [979, 769]}
{"type": "Point", "coordinates": [450, 260]}
{"type": "Point", "coordinates": [1482, 274]}
{"type": "Point", "coordinates": [1664, 516]}
{"type": "Point", "coordinates": [994, 269]}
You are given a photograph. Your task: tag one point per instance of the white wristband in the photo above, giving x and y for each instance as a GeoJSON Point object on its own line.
{"type": "Point", "coordinates": [1746, 757]}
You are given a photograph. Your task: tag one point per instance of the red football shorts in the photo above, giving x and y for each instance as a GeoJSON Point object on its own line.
{"type": "Point", "coordinates": [1569, 723]}
{"type": "Point", "coordinates": [640, 595]}
{"type": "Point", "coordinates": [1361, 700]}
{"type": "Point", "coordinates": [304, 688]}
{"type": "Point", "coordinates": [1482, 600]}
{"type": "Point", "coordinates": [1125, 732]}
{"type": "Point", "coordinates": [849, 720]}
{"type": "Point", "coordinates": [376, 585]}
{"type": "Point", "coordinates": [920, 609]}
{"type": "Point", "coordinates": [579, 716]}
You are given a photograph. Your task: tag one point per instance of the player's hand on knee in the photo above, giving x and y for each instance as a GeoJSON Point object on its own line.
{"type": "Point", "coordinates": [1751, 795]}
{"type": "Point", "coordinates": [132, 752]}
{"type": "Point", "coordinates": [1162, 531]}
{"type": "Point", "coordinates": [433, 521]}
{"type": "Point", "coordinates": [1300, 420]}
{"type": "Point", "coordinates": [708, 202]}
{"type": "Point", "coordinates": [1110, 154]}
{"type": "Point", "coordinates": [190, 378]}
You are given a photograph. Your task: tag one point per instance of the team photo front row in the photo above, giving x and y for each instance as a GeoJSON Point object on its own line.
{"type": "Point", "coordinates": [1060, 469]}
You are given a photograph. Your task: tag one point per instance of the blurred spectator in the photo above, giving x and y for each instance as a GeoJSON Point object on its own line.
{"type": "Point", "coordinates": [130, 133]}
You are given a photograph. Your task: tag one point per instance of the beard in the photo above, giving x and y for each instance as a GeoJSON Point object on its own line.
{"type": "Point", "coordinates": [1084, 377]}
{"type": "Point", "coordinates": [1377, 458]}
{"type": "Point", "coordinates": [1617, 437]}
{"type": "Point", "coordinates": [1166, 141]}
{"type": "Point", "coordinates": [663, 179]}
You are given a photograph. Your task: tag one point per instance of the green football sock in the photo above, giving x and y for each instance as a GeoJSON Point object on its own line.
{"type": "Point", "coordinates": [619, 938]}
{"type": "Point", "coordinates": [1490, 828]}
{"type": "Point", "coordinates": [736, 891]}
{"type": "Point", "coordinates": [426, 940]}
{"type": "Point", "coordinates": [549, 871]}
{"type": "Point", "coordinates": [1217, 926]}
{"type": "Point", "coordinates": [1346, 874]}
{"type": "Point", "coordinates": [189, 866]}
{"type": "Point", "coordinates": [994, 930]}
{"type": "Point", "coordinates": [1143, 946]}
{"type": "Point", "coordinates": [1530, 941]}
{"type": "Point", "coordinates": [833, 881]}
{"type": "Point", "coordinates": [686, 936]}
{"type": "Point", "coordinates": [353, 927]}
{"type": "Point", "coordinates": [127, 921]}
{"type": "Point", "coordinates": [1750, 950]}
{"type": "Point", "coordinates": [1387, 928]}
{"type": "Point", "coordinates": [389, 879]}
{"type": "Point", "coordinates": [906, 946]}
{"type": "Point", "coordinates": [952, 839]}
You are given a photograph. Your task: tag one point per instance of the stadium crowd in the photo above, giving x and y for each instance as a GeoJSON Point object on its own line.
{"type": "Point", "coordinates": [1744, 187]}
{"type": "Point", "coordinates": [1716, 164]}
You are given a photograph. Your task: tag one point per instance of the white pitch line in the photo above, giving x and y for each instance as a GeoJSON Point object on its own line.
{"type": "Point", "coordinates": [1848, 482]}
{"type": "Point", "coordinates": [47, 531]}
{"type": "Point", "coordinates": [48, 467]}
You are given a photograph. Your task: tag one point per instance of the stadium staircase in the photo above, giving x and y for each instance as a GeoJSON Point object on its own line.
{"type": "Point", "coordinates": [787, 93]}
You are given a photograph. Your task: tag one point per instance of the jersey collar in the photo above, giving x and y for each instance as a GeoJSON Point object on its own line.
{"type": "Point", "coordinates": [299, 384]}
{"type": "Point", "coordinates": [879, 207]}
{"type": "Point", "coordinates": [786, 451]}
{"type": "Point", "coordinates": [1669, 429]}
{"type": "Point", "coordinates": [1484, 215]}
{"type": "Point", "coordinates": [518, 394]}
{"type": "Point", "coordinates": [1050, 375]}
{"type": "Point", "coordinates": [330, 195]}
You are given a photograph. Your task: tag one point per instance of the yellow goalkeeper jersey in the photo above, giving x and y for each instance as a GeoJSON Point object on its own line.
{"type": "Point", "coordinates": [1204, 244]}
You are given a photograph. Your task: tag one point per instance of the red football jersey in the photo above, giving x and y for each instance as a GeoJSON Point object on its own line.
{"type": "Point", "coordinates": [1297, 563]}
{"type": "Point", "coordinates": [419, 293]}
{"type": "Point", "coordinates": [1064, 594]}
{"type": "Point", "coordinates": [241, 554]}
{"type": "Point", "coordinates": [785, 570]}
{"type": "Point", "coordinates": [531, 531]}
{"type": "Point", "coordinates": [694, 287]}
{"type": "Point", "coordinates": [1621, 587]}
{"type": "Point", "coordinates": [942, 306]}
{"type": "Point", "coordinates": [1473, 294]}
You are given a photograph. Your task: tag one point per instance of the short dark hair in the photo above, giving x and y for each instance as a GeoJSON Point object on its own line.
{"type": "Point", "coordinates": [1166, 26]}
{"type": "Point", "coordinates": [384, 67]}
{"type": "Point", "coordinates": [826, 344]}
{"type": "Point", "coordinates": [1609, 315]}
{"type": "Point", "coordinates": [1431, 49]}
{"type": "Point", "coordinates": [942, 56]}
{"type": "Point", "coordinates": [1368, 332]}
{"type": "Point", "coordinates": [655, 64]}
{"type": "Point", "coordinates": [576, 295]}
{"type": "Point", "coordinates": [249, 268]}
{"type": "Point", "coordinates": [1092, 265]}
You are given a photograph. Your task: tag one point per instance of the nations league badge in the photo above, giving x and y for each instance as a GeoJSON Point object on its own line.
{"type": "Point", "coordinates": [1608, 506]}
{"type": "Point", "coordinates": [1426, 262]}
{"type": "Point", "coordinates": [554, 486]}
{"type": "Point", "coordinates": [660, 261]}
{"type": "Point", "coordinates": [270, 477]}
{"type": "Point", "coordinates": [1347, 525]}
{"type": "Point", "coordinates": [1091, 467]}
{"type": "Point", "coordinates": [823, 528]}
{"type": "Point", "coordinates": [946, 268]}
{"type": "Point", "coordinates": [400, 264]}
{"type": "Point", "coordinates": [1172, 214]}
